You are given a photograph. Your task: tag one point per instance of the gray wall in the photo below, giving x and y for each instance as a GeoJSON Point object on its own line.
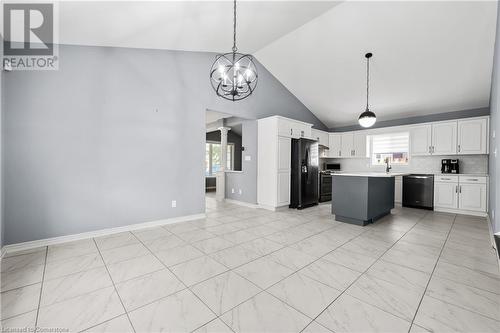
{"type": "Point", "coordinates": [113, 136]}
{"type": "Point", "coordinates": [246, 180]}
{"type": "Point", "coordinates": [494, 129]}
{"type": "Point", "coordinates": [419, 119]}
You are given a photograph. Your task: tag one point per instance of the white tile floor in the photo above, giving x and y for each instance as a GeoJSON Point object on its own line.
{"type": "Point", "coordinates": [250, 270]}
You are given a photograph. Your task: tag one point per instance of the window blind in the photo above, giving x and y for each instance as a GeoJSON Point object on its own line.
{"type": "Point", "coordinates": [390, 143]}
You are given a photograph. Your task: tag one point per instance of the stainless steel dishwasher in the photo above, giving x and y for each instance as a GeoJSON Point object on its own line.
{"type": "Point", "coordinates": [418, 191]}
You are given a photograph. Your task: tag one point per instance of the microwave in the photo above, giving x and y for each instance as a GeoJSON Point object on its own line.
{"type": "Point", "coordinates": [332, 166]}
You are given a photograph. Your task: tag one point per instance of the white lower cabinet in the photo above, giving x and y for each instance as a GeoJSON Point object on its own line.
{"type": "Point", "coordinates": [445, 195]}
{"type": "Point", "coordinates": [472, 197]}
{"type": "Point", "coordinates": [398, 190]}
{"type": "Point", "coordinates": [283, 188]}
{"type": "Point", "coordinates": [461, 194]}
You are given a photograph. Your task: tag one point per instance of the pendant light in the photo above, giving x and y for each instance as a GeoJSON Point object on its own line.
{"type": "Point", "coordinates": [233, 75]}
{"type": "Point", "coordinates": [367, 118]}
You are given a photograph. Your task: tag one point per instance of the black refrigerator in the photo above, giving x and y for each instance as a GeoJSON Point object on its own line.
{"type": "Point", "coordinates": [305, 173]}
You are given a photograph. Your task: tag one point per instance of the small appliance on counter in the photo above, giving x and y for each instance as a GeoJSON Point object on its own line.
{"type": "Point", "coordinates": [449, 166]}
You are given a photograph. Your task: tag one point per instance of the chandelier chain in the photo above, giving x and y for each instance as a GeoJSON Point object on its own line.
{"type": "Point", "coordinates": [234, 28]}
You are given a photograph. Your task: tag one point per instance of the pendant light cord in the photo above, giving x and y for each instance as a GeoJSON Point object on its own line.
{"type": "Point", "coordinates": [234, 28]}
{"type": "Point", "coordinates": [367, 80]}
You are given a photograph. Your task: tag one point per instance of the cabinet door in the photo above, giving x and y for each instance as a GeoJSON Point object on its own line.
{"type": "Point", "coordinates": [284, 154]}
{"type": "Point", "coordinates": [398, 190]}
{"type": "Point", "coordinates": [321, 136]}
{"type": "Point", "coordinates": [472, 197]}
{"type": "Point", "coordinates": [446, 195]}
{"type": "Point", "coordinates": [359, 144]}
{"type": "Point", "coordinates": [420, 140]}
{"type": "Point", "coordinates": [444, 138]}
{"type": "Point", "coordinates": [472, 136]}
{"type": "Point", "coordinates": [335, 145]}
{"type": "Point", "coordinates": [347, 145]}
{"type": "Point", "coordinates": [283, 188]}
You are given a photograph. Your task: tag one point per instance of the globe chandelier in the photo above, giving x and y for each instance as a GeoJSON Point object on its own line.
{"type": "Point", "coordinates": [234, 75]}
{"type": "Point", "coordinates": [367, 118]}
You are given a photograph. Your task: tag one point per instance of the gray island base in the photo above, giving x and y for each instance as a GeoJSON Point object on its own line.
{"type": "Point", "coordinates": [362, 198]}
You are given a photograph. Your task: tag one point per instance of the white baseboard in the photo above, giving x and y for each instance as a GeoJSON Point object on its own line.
{"type": "Point", "coordinates": [461, 212]}
{"type": "Point", "coordinates": [97, 233]}
{"type": "Point", "coordinates": [241, 203]}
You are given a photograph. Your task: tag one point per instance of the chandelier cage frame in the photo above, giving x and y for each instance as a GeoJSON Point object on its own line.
{"type": "Point", "coordinates": [234, 75]}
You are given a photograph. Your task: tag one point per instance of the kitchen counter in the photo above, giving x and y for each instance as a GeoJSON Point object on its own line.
{"type": "Point", "coordinates": [372, 174]}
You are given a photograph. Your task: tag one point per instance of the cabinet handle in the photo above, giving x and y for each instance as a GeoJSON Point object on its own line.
{"type": "Point", "coordinates": [446, 178]}
{"type": "Point", "coordinates": [340, 152]}
{"type": "Point", "coordinates": [460, 189]}
{"type": "Point", "coordinates": [456, 188]}
{"type": "Point", "coordinates": [459, 148]}
{"type": "Point", "coordinates": [429, 149]}
{"type": "Point", "coordinates": [291, 131]}
{"type": "Point", "coordinates": [433, 149]}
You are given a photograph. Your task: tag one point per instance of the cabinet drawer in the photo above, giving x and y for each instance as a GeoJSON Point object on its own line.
{"type": "Point", "coordinates": [446, 179]}
{"type": "Point", "coordinates": [473, 180]}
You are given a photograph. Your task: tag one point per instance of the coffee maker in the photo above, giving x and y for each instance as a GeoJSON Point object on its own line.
{"type": "Point", "coordinates": [449, 166]}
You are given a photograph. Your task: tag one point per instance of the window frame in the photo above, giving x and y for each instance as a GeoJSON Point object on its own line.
{"type": "Point", "coordinates": [230, 160]}
{"type": "Point", "coordinates": [370, 153]}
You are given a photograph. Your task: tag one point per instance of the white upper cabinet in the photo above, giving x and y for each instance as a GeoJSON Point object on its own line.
{"type": "Point", "coordinates": [359, 144]}
{"type": "Point", "coordinates": [335, 145]}
{"type": "Point", "coordinates": [293, 129]}
{"type": "Point", "coordinates": [347, 145]}
{"type": "Point", "coordinates": [320, 136]}
{"type": "Point", "coordinates": [421, 140]}
{"type": "Point", "coordinates": [444, 138]}
{"type": "Point", "coordinates": [473, 136]}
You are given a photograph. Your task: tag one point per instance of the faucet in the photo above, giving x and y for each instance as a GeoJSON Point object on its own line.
{"type": "Point", "coordinates": [387, 167]}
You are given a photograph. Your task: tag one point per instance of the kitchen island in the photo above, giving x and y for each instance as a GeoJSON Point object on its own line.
{"type": "Point", "coordinates": [364, 197]}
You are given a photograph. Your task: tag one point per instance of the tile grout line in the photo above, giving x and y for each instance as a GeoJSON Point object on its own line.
{"type": "Point", "coordinates": [114, 286]}
{"type": "Point", "coordinates": [432, 273]}
{"type": "Point", "coordinates": [364, 272]}
{"type": "Point", "coordinates": [185, 285]}
{"type": "Point", "coordinates": [41, 285]}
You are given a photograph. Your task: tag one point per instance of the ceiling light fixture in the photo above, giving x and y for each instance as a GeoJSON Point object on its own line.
{"type": "Point", "coordinates": [233, 75]}
{"type": "Point", "coordinates": [367, 118]}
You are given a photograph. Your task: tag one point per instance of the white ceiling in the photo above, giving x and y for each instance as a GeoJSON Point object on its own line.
{"type": "Point", "coordinates": [429, 57]}
{"type": "Point", "coordinates": [183, 25]}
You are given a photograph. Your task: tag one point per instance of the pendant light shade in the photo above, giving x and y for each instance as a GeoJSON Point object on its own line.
{"type": "Point", "coordinates": [367, 118]}
{"type": "Point", "coordinates": [233, 75]}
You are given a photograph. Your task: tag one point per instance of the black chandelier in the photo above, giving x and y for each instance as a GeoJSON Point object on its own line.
{"type": "Point", "coordinates": [367, 118]}
{"type": "Point", "coordinates": [233, 75]}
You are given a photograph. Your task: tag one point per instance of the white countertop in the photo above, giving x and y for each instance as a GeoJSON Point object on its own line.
{"type": "Point", "coordinates": [372, 174]}
{"type": "Point", "coordinates": [462, 174]}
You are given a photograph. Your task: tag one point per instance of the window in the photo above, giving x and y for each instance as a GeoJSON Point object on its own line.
{"type": "Point", "coordinates": [393, 146]}
{"type": "Point", "coordinates": [213, 158]}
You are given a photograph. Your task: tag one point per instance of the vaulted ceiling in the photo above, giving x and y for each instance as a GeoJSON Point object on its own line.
{"type": "Point", "coordinates": [429, 56]}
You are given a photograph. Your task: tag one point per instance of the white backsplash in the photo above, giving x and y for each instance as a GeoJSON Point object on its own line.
{"type": "Point", "coordinates": [417, 164]}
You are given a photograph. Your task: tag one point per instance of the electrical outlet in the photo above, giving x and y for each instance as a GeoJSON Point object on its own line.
{"type": "Point", "coordinates": [493, 214]}
{"type": "Point", "coordinates": [493, 134]}
{"type": "Point", "coordinates": [240, 191]}
{"type": "Point", "coordinates": [232, 190]}
{"type": "Point", "coordinates": [174, 203]}
{"type": "Point", "coordinates": [495, 152]}
{"type": "Point", "coordinates": [248, 158]}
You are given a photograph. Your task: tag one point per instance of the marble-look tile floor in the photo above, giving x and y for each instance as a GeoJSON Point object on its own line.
{"type": "Point", "coordinates": [250, 270]}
